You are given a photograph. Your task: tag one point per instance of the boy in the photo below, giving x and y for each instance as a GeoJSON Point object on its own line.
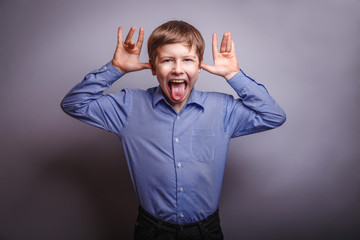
{"type": "Point", "coordinates": [174, 137]}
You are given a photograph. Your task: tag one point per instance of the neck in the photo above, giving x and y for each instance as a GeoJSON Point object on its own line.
{"type": "Point", "coordinates": [178, 106]}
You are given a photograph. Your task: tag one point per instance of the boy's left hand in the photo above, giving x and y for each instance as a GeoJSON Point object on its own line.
{"type": "Point", "coordinates": [225, 61]}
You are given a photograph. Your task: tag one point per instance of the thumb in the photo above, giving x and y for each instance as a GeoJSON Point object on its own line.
{"type": "Point", "coordinates": [208, 68]}
{"type": "Point", "coordinates": [145, 65]}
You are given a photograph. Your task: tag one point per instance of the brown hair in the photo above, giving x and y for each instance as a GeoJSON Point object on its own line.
{"type": "Point", "coordinates": [175, 31]}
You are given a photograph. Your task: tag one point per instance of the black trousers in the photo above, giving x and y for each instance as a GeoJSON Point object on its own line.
{"type": "Point", "coordinates": [149, 228]}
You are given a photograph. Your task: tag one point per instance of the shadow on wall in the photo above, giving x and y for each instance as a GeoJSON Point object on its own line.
{"type": "Point", "coordinates": [85, 192]}
{"type": "Point", "coordinates": [82, 190]}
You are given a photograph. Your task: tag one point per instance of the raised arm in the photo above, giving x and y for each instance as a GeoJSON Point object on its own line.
{"type": "Point", "coordinates": [87, 102]}
{"type": "Point", "coordinates": [255, 110]}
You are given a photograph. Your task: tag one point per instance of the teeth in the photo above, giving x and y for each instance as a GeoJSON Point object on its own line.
{"type": "Point", "coordinates": [177, 81]}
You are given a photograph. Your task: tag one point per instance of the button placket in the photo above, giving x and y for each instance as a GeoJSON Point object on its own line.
{"type": "Point", "coordinates": [179, 168]}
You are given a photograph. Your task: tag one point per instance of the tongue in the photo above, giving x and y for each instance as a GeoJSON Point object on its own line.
{"type": "Point", "coordinates": [178, 91]}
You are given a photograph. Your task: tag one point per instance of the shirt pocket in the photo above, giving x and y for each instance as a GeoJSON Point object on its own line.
{"type": "Point", "coordinates": [202, 145]}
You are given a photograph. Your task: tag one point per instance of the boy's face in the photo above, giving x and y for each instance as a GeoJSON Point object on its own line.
{"type": "Point", "coordinates": [177, 71]}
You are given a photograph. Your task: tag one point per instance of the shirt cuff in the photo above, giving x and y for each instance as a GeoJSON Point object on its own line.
{"type": "Point", "coordinates": [109, 73]}
{"type": "Point", "coordinates": [240, 81]}
{"type": "Point", "coordinates": [244, 84]}
{"type": "Point", "coordinates": [114, 70]}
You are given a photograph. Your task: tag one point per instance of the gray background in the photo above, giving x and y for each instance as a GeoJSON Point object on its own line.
{"type": "Point", "coordinates": [62, 179]}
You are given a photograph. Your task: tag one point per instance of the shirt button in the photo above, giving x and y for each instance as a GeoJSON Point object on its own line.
{"type": "Point", "coordinates": [181, 189]}
{"type": "Point", "coordinates": [105, 67]}
{"type": "Point", "coordinates": [181, 215]}
{"type": "Point", "coordinates": [178, 117]}
{"type": "Point", "coordinates": [179, 165]}
{"type": "Point", "coordinates": [176, 139]}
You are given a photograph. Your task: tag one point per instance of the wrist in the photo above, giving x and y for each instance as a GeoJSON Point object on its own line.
{"type": "Point", "coordinates": [113, 62]}
{"type": "Point", "coordinates": [231, 74]}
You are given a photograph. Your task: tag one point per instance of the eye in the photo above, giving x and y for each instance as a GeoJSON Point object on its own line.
{"type": "Point", "coordinates": [188, 60]}
{"type": "Point", "coordinates": [166, 60]}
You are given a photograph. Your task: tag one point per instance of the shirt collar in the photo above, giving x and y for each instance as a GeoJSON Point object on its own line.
{"type": "Point", "coordinates": [195, 98]}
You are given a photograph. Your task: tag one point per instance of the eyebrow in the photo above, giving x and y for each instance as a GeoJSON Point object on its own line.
{"type": "Point", "coordinates": [192, 56]}
{"type": "Point", "coordinates": [186, 56]}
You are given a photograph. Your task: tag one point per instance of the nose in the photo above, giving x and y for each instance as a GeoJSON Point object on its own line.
{"type": "Point", "coordinates": [178, 68]}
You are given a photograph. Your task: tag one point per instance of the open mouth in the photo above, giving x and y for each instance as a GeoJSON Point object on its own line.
{"type": "Point", "coordinates": [177, 88]}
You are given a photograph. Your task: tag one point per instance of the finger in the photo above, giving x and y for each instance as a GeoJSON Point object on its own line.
{"type": "Point", "coordinates": [223, 43]}
{"type": "Point", "coordinates": [131, 44]}
{"type": "Point", "coordinates": [140, 38]}
{"type": "Point", "coordinates": [119, 35]}
{"type": "Point", "coordinates": [208, 68]}
{"type": "Point", "coordinates": [229, 43]}
{"type": "Point", "coordinates": [214, 45]}
{"type": "Point", "coordinates": [130, 34]}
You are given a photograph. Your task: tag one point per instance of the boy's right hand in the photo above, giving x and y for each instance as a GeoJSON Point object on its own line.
{"type": "Point", "coordinates": [126, 56]}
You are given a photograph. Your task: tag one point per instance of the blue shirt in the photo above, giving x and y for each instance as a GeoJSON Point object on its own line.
{"type": "Point", "coordinates": [176, 160]}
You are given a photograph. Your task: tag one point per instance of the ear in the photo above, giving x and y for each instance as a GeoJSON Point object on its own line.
{"type": "Point", "coordinates": [200, 62]}
{"type": "Point", "coordinates": [152, 67]}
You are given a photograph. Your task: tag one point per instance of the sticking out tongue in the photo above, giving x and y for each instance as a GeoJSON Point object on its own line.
{"type": "Point", "coordinates": [177, 91]}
